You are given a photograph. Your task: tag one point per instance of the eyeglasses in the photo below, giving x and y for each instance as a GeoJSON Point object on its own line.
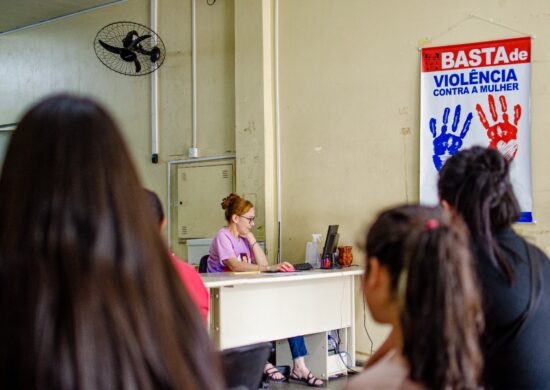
{"type": "Point", "coordinates": [250, 219]}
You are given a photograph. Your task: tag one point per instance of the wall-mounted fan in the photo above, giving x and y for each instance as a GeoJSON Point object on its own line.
{"type": "Point", "coordinates": [129, 48]}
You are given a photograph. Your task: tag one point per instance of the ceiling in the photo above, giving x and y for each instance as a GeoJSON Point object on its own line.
{"type": "Point", "coordinates": [17, 14]}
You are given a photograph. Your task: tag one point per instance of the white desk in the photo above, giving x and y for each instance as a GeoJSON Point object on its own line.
{"type": "Point", "coordinates": [252, 308]}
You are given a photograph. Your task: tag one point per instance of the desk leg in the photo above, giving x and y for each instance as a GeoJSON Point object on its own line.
{"type": "Point", "coordinates": [350, 344]}
{"type": "Point", "coordinates": [214, 320]}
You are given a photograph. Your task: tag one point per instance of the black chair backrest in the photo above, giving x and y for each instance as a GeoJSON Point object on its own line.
{"type": "Point", "coordinates": [203, 264]}
{"type": "Point", "coordinates": [243, 367]}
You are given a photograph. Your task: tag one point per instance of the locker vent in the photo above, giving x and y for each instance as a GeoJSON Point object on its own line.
{"type": "Point", "coordinates": [183, 231]}
{"type": "Point", "coordinates": [225, 174]}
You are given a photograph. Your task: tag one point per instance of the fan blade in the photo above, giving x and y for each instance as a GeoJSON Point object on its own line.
{"type": "Point", "coordinates": [112, 49]}
{"type": "Point", "coordinates": [138, 66]}
{"type": "Point", "coordinates": [128, 55]}
{"type": "Point", "coordinates": [138, 40]}
{"type": "Point", "coordinates": [129, 38]}
{"type": "Point", "coordinates": [141, 50]}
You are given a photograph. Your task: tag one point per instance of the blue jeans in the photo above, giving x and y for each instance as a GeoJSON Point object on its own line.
{"type": "Point", "coordinates": [297, 347]}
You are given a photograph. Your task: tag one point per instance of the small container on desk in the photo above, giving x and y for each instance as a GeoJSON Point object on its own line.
{"type": "Point", "coordinates": [326, 262]}
{"type": "Point", "coordinates": [345, 256]}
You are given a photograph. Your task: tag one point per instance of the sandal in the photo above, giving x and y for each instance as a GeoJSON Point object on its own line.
{"type": "Point", "coordinates": [311, 380]}
{"type": "Point", "coordinates": [271, 371]}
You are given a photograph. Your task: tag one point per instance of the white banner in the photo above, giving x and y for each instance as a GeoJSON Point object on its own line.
{"type": "Point", "coordinates": [477, 94]}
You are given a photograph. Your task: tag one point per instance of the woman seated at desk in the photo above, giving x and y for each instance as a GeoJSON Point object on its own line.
{"type": "Point", "coordinates": [234, 248]}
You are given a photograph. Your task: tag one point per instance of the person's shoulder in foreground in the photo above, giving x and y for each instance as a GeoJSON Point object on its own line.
{"type": "Point", "coordinates": [390, 372]}
{"type": "Point", "coordinates": [194, 285]}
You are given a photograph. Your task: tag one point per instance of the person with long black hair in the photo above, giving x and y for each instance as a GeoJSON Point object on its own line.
{"type": "Point", "coordinates": [88, 296]}
{"type": "Point", "coordinates": [514, 275]}
{"type": "Point", "coordinates": [420, 279]}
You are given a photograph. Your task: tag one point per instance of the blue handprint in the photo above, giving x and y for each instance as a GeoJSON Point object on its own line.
{"type": "Point", "coordinates": [447, 144]}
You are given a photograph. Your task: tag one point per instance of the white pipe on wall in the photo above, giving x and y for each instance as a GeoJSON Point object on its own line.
{"type": "Point", "coordinates": [278, 134]}
{"type": "Point", "coordinates": [193, 151]}
{"type": "Point", "coordinates": [168, 204]}
{"type": "Point", "coordinates": [154, 94]}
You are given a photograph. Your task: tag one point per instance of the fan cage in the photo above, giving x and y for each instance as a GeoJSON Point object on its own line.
{"type": "Point", "coordinates": [114, 33]}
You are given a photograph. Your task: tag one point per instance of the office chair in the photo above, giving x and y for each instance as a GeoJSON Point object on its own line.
{"type": "Point", "coordinates": [203, 264]}
{"type": "Point", "coordinates": [243, 367]}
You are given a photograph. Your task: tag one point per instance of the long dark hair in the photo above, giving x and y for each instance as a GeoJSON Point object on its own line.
{"type": "Point", "coordinates": [88, 297]}
{"type": "Point", "coordinates": [432, 279]}
{"type": "Point", "coordinates": [155, 204]}
{"type": "Point", "coordinates": [476, 183]}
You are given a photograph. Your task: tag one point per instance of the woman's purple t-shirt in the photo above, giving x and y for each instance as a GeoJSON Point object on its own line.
{"type": "Point", "coordinates": [224, 246]}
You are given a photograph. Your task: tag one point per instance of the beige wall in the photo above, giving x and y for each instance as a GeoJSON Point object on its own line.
{"type": "Point", "coordinates": [215, 78]}
{"type": "Point", "coordinates": [350, 108]}
{"type": "Point", "coordinates": [349, 83]}
{"type": "Point", "coordinates": [254, 116]}
{"type": "Point", "coordinates": [215, 82]}
{"type": "Point", "coordinates": [59, 56]}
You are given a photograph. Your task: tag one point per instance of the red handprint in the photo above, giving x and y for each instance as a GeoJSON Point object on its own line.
{"type": "Point", "coordinates": [503, 134]}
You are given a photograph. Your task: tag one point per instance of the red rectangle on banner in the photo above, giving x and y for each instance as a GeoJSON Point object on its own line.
{"type": "Point", "coordinates": [476, 55]}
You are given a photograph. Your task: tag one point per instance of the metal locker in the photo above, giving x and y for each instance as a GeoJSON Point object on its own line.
{"type": "Point", "coordinates": [200, 193]}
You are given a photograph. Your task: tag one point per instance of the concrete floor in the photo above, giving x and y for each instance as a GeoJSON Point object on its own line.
{"type": "Point", "coordinates": [334, 384]}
